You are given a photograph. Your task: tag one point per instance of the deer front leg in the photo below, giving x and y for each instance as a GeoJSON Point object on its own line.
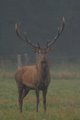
{"type": "Point", "coordinates": [20, 99]}
{"type": "Point", "coordinates": [37, 101]}
{"type": "Point", "coordinates": [44, 99]}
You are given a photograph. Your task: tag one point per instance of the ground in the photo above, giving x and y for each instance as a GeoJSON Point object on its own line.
{"type": "Point", "coordinates": [63, 98]}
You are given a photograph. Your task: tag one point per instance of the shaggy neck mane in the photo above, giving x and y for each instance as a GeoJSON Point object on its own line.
{"type": "Point", "coordinates": [43, 69]}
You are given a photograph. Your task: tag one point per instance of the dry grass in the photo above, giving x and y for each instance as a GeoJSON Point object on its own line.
{"type": "Point", "coordinates": [58, 71]}
{"type": "Point", "coordinates": [64, 74]}
{"type": "Point", "coordinates": [6, 74]}
{"type": "Point", "coordinates": [55, 75]}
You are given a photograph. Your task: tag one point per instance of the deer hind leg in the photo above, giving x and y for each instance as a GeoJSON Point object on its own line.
{"type": "Point", "coordinates": [23, 91]}
{"type": "Point", "coordinates": [37, 102]}
{"type": "Point", "coordinates": [44, 99]}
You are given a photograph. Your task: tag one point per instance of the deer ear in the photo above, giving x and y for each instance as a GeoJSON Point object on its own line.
{"type": "Point", "coordinates": [35, 50]}
{"type": "Point", "coordinates": [50, 49]}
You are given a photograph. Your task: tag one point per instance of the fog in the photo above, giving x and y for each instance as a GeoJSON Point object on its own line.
{"type": "Point", "coordinates": [40, 19]}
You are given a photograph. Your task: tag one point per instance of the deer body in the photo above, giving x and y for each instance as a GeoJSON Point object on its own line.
{"type": "Point", "coordinates": [35, 77]}
{"type": "Point", "coordinates": [27, 75]}
{"type": "Point", "coordinates": [32, 77]}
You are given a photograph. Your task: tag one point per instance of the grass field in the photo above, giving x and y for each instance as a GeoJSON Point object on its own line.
{"type": "Point", "coordinates": [63, 98]}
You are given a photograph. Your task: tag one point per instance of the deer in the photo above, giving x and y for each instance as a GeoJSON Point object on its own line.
{"type": "Point", "coordinates": [37, 76]}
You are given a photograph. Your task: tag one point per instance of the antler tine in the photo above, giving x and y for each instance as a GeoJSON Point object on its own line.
{"type": "Point", "coordinates": [18, 32]}
{"type": "Point", "coordinates": [24, 38]}
{"type": "Point", "coordinates": [38, 44]}
{"type": "Point", "coordinates": [60, 30]}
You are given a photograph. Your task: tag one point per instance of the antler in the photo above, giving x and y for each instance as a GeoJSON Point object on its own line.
{"type": "Point", "coordinates": [24, 38]}
{"type": "Point", "coordinates": [60, 30]}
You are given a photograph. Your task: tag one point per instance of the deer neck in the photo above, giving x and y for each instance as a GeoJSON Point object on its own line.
{"type": "Point", "coordinates": [43, 69]}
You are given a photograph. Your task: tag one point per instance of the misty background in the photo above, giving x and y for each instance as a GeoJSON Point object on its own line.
{"type": "Point", "coordinates": [40, 18]}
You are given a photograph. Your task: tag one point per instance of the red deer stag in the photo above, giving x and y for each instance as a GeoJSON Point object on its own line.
{"type": "Point", "coordinates": [35, 77]}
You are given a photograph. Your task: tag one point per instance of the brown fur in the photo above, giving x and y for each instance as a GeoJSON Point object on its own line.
{"type": "Point", "coordinates": [35, 77]}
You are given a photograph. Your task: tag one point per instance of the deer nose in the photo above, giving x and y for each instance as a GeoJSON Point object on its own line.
{"type": "Point", "coordinates": [44, 58]}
